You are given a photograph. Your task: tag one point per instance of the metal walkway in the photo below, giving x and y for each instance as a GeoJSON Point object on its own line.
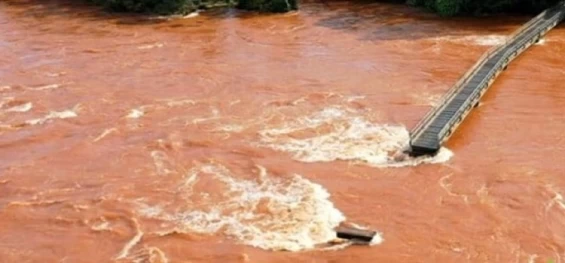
{"type": "Point", "coordinates": [438, 125]}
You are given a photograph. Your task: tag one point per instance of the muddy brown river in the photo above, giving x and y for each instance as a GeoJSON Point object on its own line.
{"type": "Point", "coordinates": [239, 137]}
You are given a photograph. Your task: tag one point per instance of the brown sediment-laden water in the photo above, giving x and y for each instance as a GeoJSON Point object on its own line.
{"type": "Point", "coordinates": [239, 137]}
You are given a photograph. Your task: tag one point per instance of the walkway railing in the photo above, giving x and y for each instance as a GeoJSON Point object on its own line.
{"type": "Point", "coordinates": [520, 40]}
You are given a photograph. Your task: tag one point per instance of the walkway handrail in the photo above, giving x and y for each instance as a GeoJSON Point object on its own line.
{"type": "Point", "coordinates": [453, 90]}
{"type": "Point", "coordinates": [513, 48]}
{"type": "Point", "coordinates": [465, 78]}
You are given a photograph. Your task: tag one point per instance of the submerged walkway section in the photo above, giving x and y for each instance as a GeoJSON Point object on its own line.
{"type": "Point", "coordinates": [438, 125]}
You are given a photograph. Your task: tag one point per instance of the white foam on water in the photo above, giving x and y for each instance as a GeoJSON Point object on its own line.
{"type": "Point", "coordinates": [427, 99]}
{"type": "Point", "coordinates": [135, 114]}
{"type": "Point", "coordinates": [100, 227]}
{"type": "Point", "coordinates": [46, 87]}
{"type": "Point", "coordinates": [148, 255]}
{"type": "Point", "coordinates": [355, 98]}
{"type": "Point", "coordinates": [215, 116]}
{"type": "Point", "coordinates": [338, 246]}
{"type": "Point", "coordinates": [532, 258]}
{"type": "Point", "coordinates": [487, 40]}
{"type": "Point", "coordinates": [5, 100]}
{"type": "Point", "coordinates": [160, 104]}
{"type": "Point", "coordinates": [191, 15]}
{"type": "Point", "coordinates": [377, 239]}
{"type": "Point", "coordinates": [273, 213]}
{"type": "Point", "coordinates": [132, 242]}
{"type": "Point", "coordinates": [66, 114]}
{"type": "Point", "coordinates": [162, 162]}
{"type": "Point", "coordinates": [151, 46]}
{"type": "Point", "coordinates": [557, 198]}
{"type": "Point", "coordinates": [103, 225]}
{"type": "Point", "coordinates": [105, 133]}
{"type": "Point", "coordinates": [235, 128]}
{"type": "Point", "coordinates": [35, 203]}
{"type": "Point", "coordinates": [182, 102]}
{"type": "Point", "coordinates": [21, 108]}
{"type": "Point", "coordinates": [169, 17]}
{"type": "Point", "coordinates": [234, 102]}
{"type": "Point", "coordinates": [56, 74]}
{"type": "Point", "coordinates": [350, 137]}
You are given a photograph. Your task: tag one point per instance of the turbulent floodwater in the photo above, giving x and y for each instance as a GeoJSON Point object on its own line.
{"type": "Point", "coordinates": [239, 137]}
